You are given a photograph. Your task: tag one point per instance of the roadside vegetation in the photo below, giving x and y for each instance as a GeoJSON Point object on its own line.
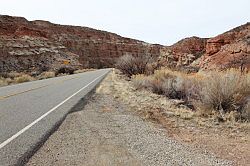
{"type": "Point", "coordinates": [224, 95]}
{"type": "Point", "coordinates": [20, 77]}
{"type": "Point", "coordinates": [130, 65]}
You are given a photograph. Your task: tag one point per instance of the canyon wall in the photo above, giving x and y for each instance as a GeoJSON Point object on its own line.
{"type": "Point", "coordinates": [228, 50]}
{"type": "Point", "coordinates": [40, 45]}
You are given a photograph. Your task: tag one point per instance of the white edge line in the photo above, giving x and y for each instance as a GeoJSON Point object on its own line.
{"type": "Point", "coordinates": [44, 115]}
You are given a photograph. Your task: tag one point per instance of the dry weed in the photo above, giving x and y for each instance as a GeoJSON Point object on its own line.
{"type": "Point", "coordinates": [224, 92]}
{"type": "Point", "coordinates": [132, 65]}
{"type": "Point", "coordinates": [23, 78]}
{"type": "Point", "coordinates": [47, 74]}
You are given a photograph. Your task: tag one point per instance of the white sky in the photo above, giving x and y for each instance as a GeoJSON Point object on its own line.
{"type": "Point", "coordinates": [155, 21]}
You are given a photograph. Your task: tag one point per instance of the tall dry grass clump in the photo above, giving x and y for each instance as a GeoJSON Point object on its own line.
{"type": "Point", "coordinates": [46, 74]}
{"type": "Point", "coordinates": [225, 92]}
{"type": "Point", "coordinates": [141, 81]}
{"type": "Point", "coordinates": [23, 78]}
{"type": "Point", "coordinates": [13, 78]}
{"type": "Point", "coordinates": [132, 65]}
{"type": "Point", "coordinates": [172, 84]}
{"type": "Point", "coordinates": [3, 82]}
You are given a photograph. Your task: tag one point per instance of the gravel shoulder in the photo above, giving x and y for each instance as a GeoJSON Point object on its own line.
{"type": "Point", "coordinates": [109, 132]}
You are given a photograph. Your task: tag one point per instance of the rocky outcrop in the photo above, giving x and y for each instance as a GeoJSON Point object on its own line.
{"type": "Point", "coordinates": [40, 45]}
{"type": "Point", "coordinates": [230, 49]}
{"type": "Point", "coordinates": [184, 52]}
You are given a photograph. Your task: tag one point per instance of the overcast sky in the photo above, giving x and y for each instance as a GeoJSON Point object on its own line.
{"type": "Point", "coordinates": [155, 21]}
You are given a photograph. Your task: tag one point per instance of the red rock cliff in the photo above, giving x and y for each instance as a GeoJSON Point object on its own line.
{"type": "Point", "coordinates": [230, 49]}
{"type": "Point", "coordinates": [41, 45]}
{"type": "Point", "coordinates": [184, 52]}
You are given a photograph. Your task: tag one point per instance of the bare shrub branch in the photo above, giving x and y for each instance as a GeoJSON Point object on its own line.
{"type": "Point", "coordinates": [132, 65]}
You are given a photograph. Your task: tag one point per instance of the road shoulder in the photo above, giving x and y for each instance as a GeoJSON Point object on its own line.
{"type": "Point", "coordinates": [108, 132]}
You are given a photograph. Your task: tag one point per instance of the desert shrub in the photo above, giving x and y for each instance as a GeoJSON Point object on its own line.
{"type": "Point", "coordinates": [132, 65]}
{"type": "Point", "coordinates": [9, 81]}
{"type": "Point", "coordinates": [23, 78]}
{"type": "Point", "coordinates": [65, 70]}
{"type": "Point", "coordinates": [47, 74]}
{"type": "Point", "coordinates": [140, 81]}
{"type": "Point", "coordinates": [246, 112]}
{"type": "Point", "coordinates": [173, 85]}
{"type": "Point", "coordinates": [164, 82]}
{"type": "Point", "coordinates": [3, 81]}
{"type": "Point", "coordinates": [224, 92]}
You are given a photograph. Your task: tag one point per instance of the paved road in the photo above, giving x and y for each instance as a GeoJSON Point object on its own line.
{"type": "Point", "coordinates": [29, 112]}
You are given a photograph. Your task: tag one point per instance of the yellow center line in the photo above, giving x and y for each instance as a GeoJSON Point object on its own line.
{"type": "Point", "coordinates": [18, 93]}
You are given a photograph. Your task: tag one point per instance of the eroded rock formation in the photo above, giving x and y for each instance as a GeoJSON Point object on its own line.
{"type": "Point", "coordinates": [230, 49]}
{"type": "Point", "coordinates": [40, 45]}
{"type": "Point", "coordinates": [184, 52]}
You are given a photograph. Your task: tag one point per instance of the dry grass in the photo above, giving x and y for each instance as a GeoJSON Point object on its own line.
{"type": "Point", "coordinates": [11, 75]}
{"type": "Point", "coordinates": [3, 82]}
{"type": "Point", "coordinates": [23, 78]}
{"type": "Point", "coordinates": [173, 85]}
{"type": "Point", "coordinates": [225, 94]}
{"type": "Point", "coordinates": [14, 78]}
{"type": "Point", "coordinates": [229, 139]}
{"type": "Point", "coordinates": [140, 81]}
{"type": "Point", "coordinates": [47, 74]}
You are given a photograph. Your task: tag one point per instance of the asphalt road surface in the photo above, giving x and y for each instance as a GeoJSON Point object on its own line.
{"type": "Point", "coordinates": [31, 111]}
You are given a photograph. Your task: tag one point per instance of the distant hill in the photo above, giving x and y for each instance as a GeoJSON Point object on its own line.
{"type": "Point", "coordinates": [41, 45]}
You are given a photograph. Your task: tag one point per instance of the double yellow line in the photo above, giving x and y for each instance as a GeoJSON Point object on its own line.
{"type": "Point", "coordinates": [28, 90]}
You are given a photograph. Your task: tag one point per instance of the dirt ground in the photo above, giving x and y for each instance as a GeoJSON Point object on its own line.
{"type": "Point", "coordinates": [123, 126]}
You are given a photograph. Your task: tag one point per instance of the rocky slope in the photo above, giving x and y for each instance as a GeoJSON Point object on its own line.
{"type": "Point", "coordinates": [230, 49]}
{"type": "Point", "coordinates": [40, 45]}
{"type": "Point", "coordinates": [184, 52]}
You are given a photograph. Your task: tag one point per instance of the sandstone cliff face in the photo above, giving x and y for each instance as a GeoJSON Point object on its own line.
{"type": "Point", "coordinates": [40, 45]}
{"type": "Point", "coordinates": [184, 52]}
{"type": "Point", "coordinates": [230, 49]}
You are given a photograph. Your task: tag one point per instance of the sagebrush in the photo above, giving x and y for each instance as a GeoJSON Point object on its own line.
{"type": "Point", "coordinates": [132, 65]}
{"type": "Point", "coordinates": [222, 92]}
